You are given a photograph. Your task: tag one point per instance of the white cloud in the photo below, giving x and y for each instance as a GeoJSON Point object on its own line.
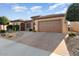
{"type": "Point", "coordinates": [62, 11]}
{"type": "Point", "coordinates": [36, 8]}
{"type": "Point", "coordinates": [19, 8]}
{"type": "Point", "coordinates": [55, 6]}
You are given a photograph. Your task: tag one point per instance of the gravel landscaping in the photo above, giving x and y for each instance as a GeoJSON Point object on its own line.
{"type": "Point", "coordinates": [73, 45]}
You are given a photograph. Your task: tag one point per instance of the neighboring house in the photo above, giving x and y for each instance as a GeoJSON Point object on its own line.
{"type": "Point", "coordinates": [50, 23]}
{"type": "Point", "coordinates": [23, 25]}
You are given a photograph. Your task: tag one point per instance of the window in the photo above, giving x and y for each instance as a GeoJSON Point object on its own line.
{"type": "Point", "coordinates": [28, 25]}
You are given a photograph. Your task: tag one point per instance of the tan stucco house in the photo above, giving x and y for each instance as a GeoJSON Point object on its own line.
{"type": "Point", "coordinates": [50, 23]}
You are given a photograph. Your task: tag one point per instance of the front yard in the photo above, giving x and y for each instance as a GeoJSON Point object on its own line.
{"type": "Point", "coordinates": [46, 41]}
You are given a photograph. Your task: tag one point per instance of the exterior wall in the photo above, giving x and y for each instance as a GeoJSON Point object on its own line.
{"type": "Point", "coordinates": [61, 19]}
{"type": "Point", "coordinates": [64, 25]}
{"type": "Point", "coordinates": [28, 25]}
{"type": "Point", "coordinates": [75, 26]}
{"type": "Point", "coordinates": [5, 27]}
{"type": "Point", "coordinates": [1, 27]}
{"type": "Point", "coordinates": [15, 23]}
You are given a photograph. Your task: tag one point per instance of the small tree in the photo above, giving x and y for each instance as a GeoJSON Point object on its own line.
{"type": "Point", "coordinates": [4, 21]}
{"type": "Point", "coordinates": [73, 12]}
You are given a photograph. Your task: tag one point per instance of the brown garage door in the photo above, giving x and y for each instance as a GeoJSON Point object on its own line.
{"type": "Point", "coordinates": [50, 26]}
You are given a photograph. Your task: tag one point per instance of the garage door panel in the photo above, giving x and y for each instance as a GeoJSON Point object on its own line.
{"type": "Point", "coordinates": [49, 26]}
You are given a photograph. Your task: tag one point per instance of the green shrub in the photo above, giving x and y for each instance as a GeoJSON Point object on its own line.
{"type": "Point", "coordinates": [72, 34]}
{"type": "Point", "coordinates": [9, 27]}
{"type": "Point", "coordinates": [17, 27]}
{"type": "Point", "coordinates": [2, 31]}
{"type": "Point", "coordinates": [13, 27]}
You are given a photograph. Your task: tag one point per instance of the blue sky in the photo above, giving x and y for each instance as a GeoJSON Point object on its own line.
{"type": "Point", "coordinates": [25, 10]}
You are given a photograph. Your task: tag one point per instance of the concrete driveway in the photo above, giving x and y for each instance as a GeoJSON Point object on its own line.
{"type": "Point", "coordinates": [43, 40]}
{"type": "Point", "coordinates": [32, 43]}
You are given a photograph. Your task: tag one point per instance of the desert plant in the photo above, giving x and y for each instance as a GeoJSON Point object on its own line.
{"type": "Point", "coordinates": [33, 30]}
{"type": "Point", "coordinates": [2, 31]}
{"type": "Point", "coordinates": [72, 34]}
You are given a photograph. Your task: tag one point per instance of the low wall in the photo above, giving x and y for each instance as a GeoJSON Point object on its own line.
{"type": "Point", "coordinates": [3, 27]}
{"type": "Point", "coordinates": [75, 26]}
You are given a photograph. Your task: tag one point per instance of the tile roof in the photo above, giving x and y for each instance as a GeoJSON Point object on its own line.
{"type": "Point", "coordinates": [47, 16]}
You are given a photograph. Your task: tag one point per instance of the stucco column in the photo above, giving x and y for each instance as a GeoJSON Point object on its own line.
{"type": "Point", "coordinates": [25, 26]}
{"type": "Point", "coordinates": [20, 27]}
